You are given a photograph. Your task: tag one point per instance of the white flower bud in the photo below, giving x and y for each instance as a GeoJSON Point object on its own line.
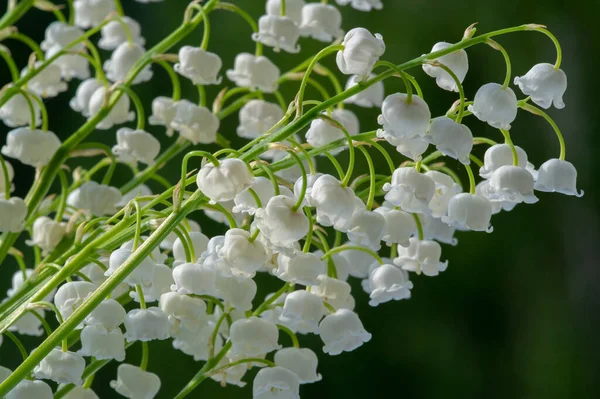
{"type": "Point", "coordinates": [279, 32]}
{"type": "Point", "coordinates": [195, 123]}
{"type": "Point", "coordinates": [451, 139]}
{"type": "Point", "coordinates": [369, 97]}
{"type": "Point", "coordinates": [457, 62]}
{"type": "Point", "coordinates": [410, 190]}
{"type": "Point", "coordinates": [257, 117]}
{"type": "Point", "coordinates": [102, 344]}
{"type": "Point", "coordinates": [342, 331]}
{"type": "Point", "coordinates": [501, 155]}
{"type": "Point", "coordinates": [361, 52]}
{"type": "Point", "coordinates": [91, 13]}
{"type": "Point", "coordinates": [47, 233]}
{"type": "Point", "coordinates": [199, 65]}
{"type": "Point", "coordinates": [192, 278]}
{"type": "Point", "coordinates": [114, 34]}
{"type": "Point", "coordinates": [293, 9]}
{"type": "Point", "coordinates": [47, 83]}
{"type": "Point", "coordinates": [300, 361]}
{"type": "Point", "coordinates": [122, 60]}
{"type": "Point", "coordinates": [254, 72]}
{"type": "Point", "coordinates": [108, 314]}
{"type": "Point", "coordinates": [299, 267]}
{"type": "Point", "coordinates": [281, 224]}
{"type": "Point", "coordinates": [243, 256]}
{"type": "Point", "coordinates": [182, 310]}
{"type": "Point", "coordinates": [495, 105]}
{"type": "Point", "coordinates": [386, 283]}
{"type": "Point", "coordinates": [13, 212]}
{"type": "Point", "coordinates": [81, 393]}
{"type": "Point", "coordinates": [469, 211]}
{"type": "Point", "coordinates": [136, 145]}
{"type": "Point", "coordinates": [16, 112]}
{"type": "Point", "coordinates": [61, 367]}
{"type": "Point", "coordinates": [164, 110]}
{"type": "Point", "coordinates": [27, 389]}
{"type": "Point", "coordinates": [333, 291]}
{"type": "Point", "coordinates": [31, 147]}
{"type": "Point", "coordinates": [253, 337]}
{"type": "Point", "coordinates": [238, 292]}
{"type": "Point", "coordinates": [118, 114]}
{"type": "Point", "coordinates": [335, 204]}
{"type": "Point", "coordinates": [276, 383]}
{"type": "Point", "coordinates": [99, 199]}
{"type": "Point", "coordinates": [513, 184]}
{"type": "Point", "coordinates": [402, 119]}
{"type": "Point", "coordinates": [323, 132]}
{"type": "Point", "coordinates": [362, 5]}
{"type": "Point", "coordinates": [445, 189]}
{"type": "Point", "coordinates": [146, 324]}
{"type": "Point", "coordinates": [421, 257]}
{"type": "Point", "coordinates": [399, 226]}
{"type": "Point", "coordinates": [545, 84]}
{"type": "Point", "coordinates": [321, 22]}
{"type": "Point", "coordinates": [133, 382]}
{"type": "Point", "coordinates": [85, 90]}
{"type": "Point", "coordinates": [225, 181]}
{"type": "Point", "coordinates": [71, 295]}
{"type": "Point", "coordinates": [302, 311]}
{"type": "Point", "coordinates": [366, 228]}
{"type": "Point", "coordinates": [558, 176]}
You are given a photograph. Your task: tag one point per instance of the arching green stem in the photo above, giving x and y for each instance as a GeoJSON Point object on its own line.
{"type": "Point", "coordinates": [401, 74]}
{"type": "Point", "coordinates": [471, 178]}
{"type": "Point", "coordinates": [184, 167]}
{"type": "Point", "coordinates": [461, 91]}
{"type": "Point", "coordinates": [139, 107]}
{"type": "Point", "coordinates": [10, 63]}
{"type": "Point", "coordinates": [419, 226]}
{"type": "Point", "coordinates": [556, 44]}
{"type": "Point", "coordinates": [508, 140]}
{"type": "Point", "coordinates": [175, 82]}
{"type": "Point", "coordinates": [353, 248]}
{"type": "Point", "coordinates": [304, 181]}
{"type": "Point", "coordinates": [43, 110]}
{"type": "Point", "coordinates": [246, 16]}
{"type": "Point", "coordinates": [372, 180]}
{"type": "Point", "coordinates": [6, 178]}
{"type": "Point", "coordinates": [17, 343]}
{"type": "Point", "coordinates": [536, 111]}
{"type": "Point", "coordinates": [495, 45]}
{"type": "Point", "coordinates": [294, 338]}
{"type": "Point", "coordinates": [29, 42]}
{"type": "Point", "coordinates": [64, 192]}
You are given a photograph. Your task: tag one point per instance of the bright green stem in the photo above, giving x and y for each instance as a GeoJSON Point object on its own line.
{"type": "Point", "coordinates": [536, 111]}
{"type": "Point", "coordinates": [17, 343]}
{"type": "Point", "coordinates": [64, 192]}
{"type": "Point", "coordinates": [139, 107]}
{"type": "Point", "coordinates": [353, 248]}
{"type": "Point", "coordinates": [476, 160]}
{"type": "Point", "coordinates": [43, 110]}
{"type": "Point", "coordinates": [145, 355]}
{"type": "Point", "coordinates": [10, 18]}
{"type": "Point", "coordinates": [309, 160]}
{"type": "Point", "coordinates": [351, 151]}
{"type": "Point", "coordinates": [483, 140]}
{"type": "Point", "coordinates": [294, 338]}
{"type": "Point", "coordinates": [6, 178]}
{"type": "Point", "coordinates": [175, 82]}
{"type": "Point", "coordinates": [556, 44]}
{"type": "Point", "coordinates": [97, 62]}
{"type": "Point", "coordinates": [138, 226]}
{"type": "Point", "coordinates": [265, 305]}
{"type": "Point", "coordinates": [401, 74]}
{"type": "Point", "coordinates": [14, 72]}
{"type": "Point", "coordinates": [206, 34]}
{"type": "Point", "coordinates": [304, 181]}
{"type": "Point", "coordinates": [256, 197]}
{"type": "Point", "coordinates": [29, 42]}
{"type": "Point", "coordinates": [239, 11]}
{"type": "Point", "coordinates": [385, 154]}
{"type": "Point", "coordinates": [124, 25]}
{"type": "Point", "coordinates": [508, 140]}
{"type": "Point", "coordinates": [282, 5]}
{"type": "Point", "coordinates": [27, 98]}
{"type": "Point", "coordinates": [495, 45]}
{"type": "Point", "coordinates": [119, 8]}
{"type": "Point", "coordinates": [419, 225]}
{"type": "Point", "coordinates": [372, 179]}
{"type": "Point", "coordinates": [461, 91]}
{"type": "Point", "coordinates": [215, 333]}
{"type": "Point", "coordinates": [471, 178]}
{"type": "Point", "coordinates": [71, 12]}
{"type": "Point", "coordinates": [311, 223]}
{"type": "Point", "coordinates": [201, 95]}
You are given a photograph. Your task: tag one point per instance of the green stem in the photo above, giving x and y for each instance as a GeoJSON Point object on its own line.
{"type": "Point", "coordinates": [471, 178]}
{"type": "Point", "coordinates": [6, 178]}
{"type": "Point", "coordinates": [291, 334]}
{"type": "Point", "coordinates": [184, 167]}
{"type": "Point", "coordinates": [311, 223]}
{"type": "Point", "coordinates": [483, 140]}
{"type": "Point", "coordinates": [461, 91]}
{"type": "Point", "coordinates": [508, 140]}
{"type": "Point", "coordinates": [10, 63]}
{"type": "Point", "coordinates": [343, 248]}
{"type": "Point", "coordinates": [495, 45]}
{"type": "Point", "coordinates": [401, 74]}
{"type": "Point", "coordinates": [282, 6]}
{"type": "Point", "coordinates": [239, 11]}
{"type": "Point", "coordinates": [201, 95]}
{"type": "Point", "coordinates": [139, 107]}
{"type": "Point", "coordinates": [17, 343]}
{"type": "Point", "coordinates": [536, 111]}
{"type": "Point", "coordinates": [175, 82]}
{"type": "Point", "coordinates": [64, 192]}
{"type": "Point", "coordinates": [26, 96]}
{"type": "Point", "coordinates": [419, 226]}
{"type": "Point", "coordinates": [11, 17]}
{"type": "Point", "coordinates": [304, 181]}
{"type": "Point", "coordinates": [556, 44]}
{"type": "Point", "coordinates": [265, 305]}
{"type": "Point", "coordinates": [372, 180]}
{"type": "Point", "coordinates": [351, 152]}
{"type": "Point", "coordinates": [29, 42]}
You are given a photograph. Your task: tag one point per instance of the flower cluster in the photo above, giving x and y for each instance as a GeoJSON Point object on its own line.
{"type": "Point", "coordinates": [122, 265]}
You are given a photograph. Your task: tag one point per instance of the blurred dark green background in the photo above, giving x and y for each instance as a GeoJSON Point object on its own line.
{"type": "Point", "coordinates": [516, 315]}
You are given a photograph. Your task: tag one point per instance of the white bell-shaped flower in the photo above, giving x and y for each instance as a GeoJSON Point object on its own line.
{"type": "Point", "coordinates": [182, 310]}
{"type": "Point", "coordinates": [435, 229]}
{"type": "Point", "coordinates": [293, 9]}
{"type": "Point", "coordinates": [402, 119]}
{"type": "Point", "coordinates": [160, 282]}
{"type": "Point", "coordinates": [16, 112]}
{"type": "Point", "coordinates": [362, 5]}
{"type": "Point", "coordinates": [99, 199]}
{"type": "Point", "coordinates": [369, 97]}
{"type": "Point", "coordinates": [225, 181]}
{"type": "Point", "coordinates": [361, 51]}
{"type": "Point", "coordinates": [102, 344]}
{"type": "Point", "coordinates": [133, 382]}
{"type": "Point", "coordinates": [47, 233]}
{"type": "Point", "coordinates": [299, 267]}
{"type": "Point", "coordinates": [28, 389]}
{"type": "Point", "coordinates": [81, 393]}
{"type": "Point", "coordinates": [193, 278]}
{"type": "Point", "coordinates": [300, 361]}
{"type": "Point", "coordinates": [279, 32]}
{"type": "Point", "coordinates": [114, 33]}
{"type": "Point", "coordinates": [71, 295]}
{"type": "Point", "coordinates": [91, 13]}
{"type": "Point", "coordinates": [243, 256]}
{"type": "Point", "coordinates": [356, 261]}
{"type": "Point", "coordinates": [342, 331]}
{"type": "Point", "coordinates": [302, 311]}
{"type": "Point", "coordinates": [263, 187]}
{"type": "Point", "coordinates": [451, 139]}
{"type": "Point", "coordinates": [231, 375]}
{"type": "Point", "coordinates": [482, 189]}
{"type": "Point", "coordinates": [108, 314]}
{"type": "Point", "coordinates": [501, 155]}
{"type": "Point", "coordinates": [457, 62]}
{"type": "Point", "coordinates": [421, 256]}
{"type": "Point", "coordinates": [11, 175]}
{"type": "Point", "coordinates": [195, 341]}
{"type": "Point", "coordinates": [410, 190]}
{"type": "Point", "coordinates": [136, 146]}
{"type": "Point", "coordinates": [257, 117]}
{"type": "Point", "coordinates": [119, 114]}
{"type": "Point", "coordinates": [545, 84]}
{"type": "Point", "coordinates": [310, 182]}
{"type": "Point", "coordinates": [142, 274]}
{"type": "Point", "coordinates": [31, 147]}
{"type": "Point", "coordinates": [280, 223]}
{"type": "Point", "coordinates": [445, 189]}
{"type": "Point", "coordinates": [321, 22]}
{"type": "Point", "coordinates": [195, 123]}
{"type": "Point", "coordinates": [238, 292]}
{"type": "Point", "coordinates": [28, 324]}
{"type": "Point", "coordinates": [335, 204]}
{"type": "Point", "coordinates": [276, 383]}
{"type": "Point", "coordinates": [47, 83]}
{"type": "Point", "coordinates": [13, 212]}
{"type": "Point", "coordinates": [200, 66]}
{"type": "Point", "coordinates": [495, 105]}
{"type": "Point", "coordinates": [146, 324]}
{"type": "Point", "coordinates": [122, 60]}
{"type": "Point", "coordinates": [164, 110]}
{"type": "Point", "coordinates": [61, 34]}
{"type": "Point", "coordinates": [386, 283]}
{"type": "Point", "coordinates": [411, 148]}
{"type": "Point", "coordinates": [85, 90]}
{"type": "Point", "coordinates": [512, 184]}
{"type": "Point", "coordinates": [61, 367]}
{"type": "Point", "coordinates": [469, 211]}
{"type": "Point", "coordinates": [366, 228]}
{"type": "Point", "coordinates": [323, 132]}
{"type": "Point", "coordinates": [253, 337]}
{"type": "Point", "coordinates": [71, 65]}
{"type": "Point", "coordinates": [198, 241]}
{"type": "Point", "coordinates": [254, 72]}
{"type": "Point", "coordinates": [333, 291]}
{"type": "Point", "coordinates": [559, 176]}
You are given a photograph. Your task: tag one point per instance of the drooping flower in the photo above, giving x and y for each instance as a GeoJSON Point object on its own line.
{"type": "Point", "coordinates": [302, 311]}
{"type": "Point", "coordinates": [361, 51]}
{"type": "Point", "coordinates": [558, 176]}
{"type": "Point", "coordinates": [122, 61]}
{"type": "Point", "coordinates": [321, 22]}
{"type": "Point", "coordinates": [495, 105]}
{"type": "Point", "coordinates": [421, 256]}
{"type": "Point", "coordinates": [253, 337]}
{"type": "Point", "coordinates": [200, 66]}
{"type": "Point", "coordinates": [403, 119]}
{"type": "Point", "coordinates": [13, 212]}
{"type": "Point", "coordinates": [194, 122]}
{"type": "Point", "coordinates": [512, 184]}
{"type": "Point", "coordinates": [388, 282]}
{"type": "Point", "coordinates": [99, 199]}
{"type": "Point", "coordinates": [323, 132]}
{"type": "Point", "coordinates": [119, 113]}
{"type": "Point", "coordinates": [114, 33]}
{"type": "Point", "coordinates": [457, 62]}
{"type": "Point", "coordinates": [451, 139]}
{"type": "Point", "coordinates": [276, 383]}
{"type": "Point", "coordinates": [410, 190]}
{"type": "Point", "coordinates": [279, 32]}
{"type": "Point", "coordinates": [469, 211]}
{"type": "Point", "coordinates": [301, 361]}
{"type": "Point", "coordinates": [342, 331]}
{"type": "Point", "coordinates": [47, 233]}
{"type": "Point", "coordinates": [31, 147]}
{"type": "Point", "coordinates": [133, 382]}
{"type": "Point", "coordinates": [362, 5]}
{"type": "Point", "coordinates": [62, 367]}
{"type": "Point", "coordinates": [369, 97]}
{"type": "Point", "coordinates": [280, 223]}
{"type": "Point", "coordinates": [225, 181]}
{"type": "Point", "coordinates": [257, 117]}
{"type": "Point", "coordinates": [545, 84]}
{"type": "Point", "coordinates": [254, 72]}
{"type": "Point", "coordinates": [136, 146]}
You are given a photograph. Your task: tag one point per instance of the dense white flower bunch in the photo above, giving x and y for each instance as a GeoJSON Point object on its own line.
{"type": "Point", "coordinates": [128, 264]}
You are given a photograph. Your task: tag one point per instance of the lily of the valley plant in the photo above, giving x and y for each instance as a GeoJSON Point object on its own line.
{"type": "Point", "coordinates": [106, 267]}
